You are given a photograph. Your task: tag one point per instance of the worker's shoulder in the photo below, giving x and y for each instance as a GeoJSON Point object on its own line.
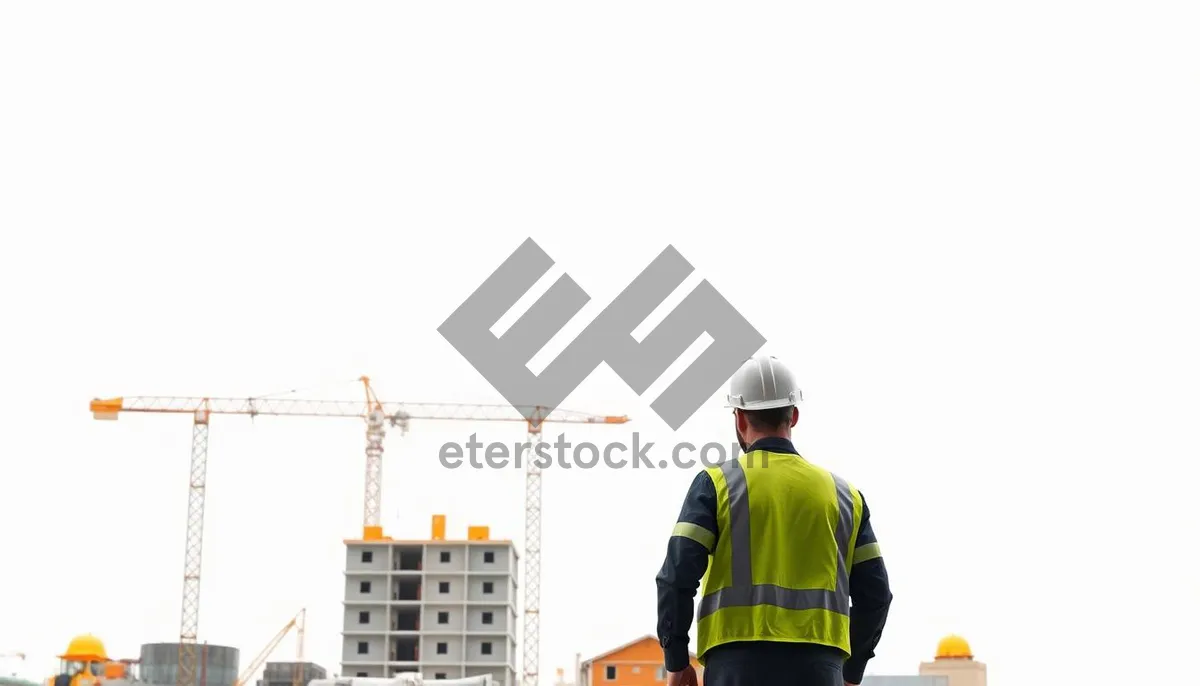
{"type": "Point", "coordinates": [836, 476]}
{"type": "Point", "coordinates": [703, 486]}
{"type": "Point", "coordinates": [703, 479]}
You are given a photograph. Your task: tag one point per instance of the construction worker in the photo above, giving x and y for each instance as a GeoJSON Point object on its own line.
{"type": "Point", "coordinates": [782, 546]}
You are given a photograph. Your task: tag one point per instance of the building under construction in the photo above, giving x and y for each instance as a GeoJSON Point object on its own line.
{"type": "Point", "coordinates": [446, 609]}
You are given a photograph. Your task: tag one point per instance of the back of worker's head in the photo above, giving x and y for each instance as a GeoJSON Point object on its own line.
{"type": "Point", "coordinates": [763, 394]}
{"type": "Point", "coordinates": [777, 421]}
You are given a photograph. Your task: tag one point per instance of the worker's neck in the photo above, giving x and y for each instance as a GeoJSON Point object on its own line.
{"type": "Point", "coordinates": [753, 437]}
{"type": "Point", "coordinates": [770, 443]}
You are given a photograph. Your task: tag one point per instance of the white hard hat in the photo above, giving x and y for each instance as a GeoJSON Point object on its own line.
{"type": "Point", "coordinates": [762, 383]}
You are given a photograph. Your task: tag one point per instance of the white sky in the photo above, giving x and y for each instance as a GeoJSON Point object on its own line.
{"type": "Point", "coordinates": [967, 229]}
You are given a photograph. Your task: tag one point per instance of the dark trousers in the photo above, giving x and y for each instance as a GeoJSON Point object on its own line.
{"type": "Point", "coordinates": [770, 663]}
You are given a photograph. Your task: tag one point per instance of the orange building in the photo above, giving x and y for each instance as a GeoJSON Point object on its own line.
{"type": "Point", "coordinates": [637, 663]}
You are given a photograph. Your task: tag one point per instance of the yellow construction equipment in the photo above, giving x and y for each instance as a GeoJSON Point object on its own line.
{"type": "Point", "coordinates": [378, 415]}
{"type": "Point", "coordinates": [85, 662]}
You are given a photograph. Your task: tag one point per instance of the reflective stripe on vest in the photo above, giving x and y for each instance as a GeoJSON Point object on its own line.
{"type": "Point", "coordinates": [743, 591]}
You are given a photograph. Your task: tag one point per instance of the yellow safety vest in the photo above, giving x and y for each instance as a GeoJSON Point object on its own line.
{"type": "Point", "coordinates": [780, 568]}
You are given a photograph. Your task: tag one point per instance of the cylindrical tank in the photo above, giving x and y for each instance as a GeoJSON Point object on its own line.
{"type": "Point", "coordinates": [215, 665]}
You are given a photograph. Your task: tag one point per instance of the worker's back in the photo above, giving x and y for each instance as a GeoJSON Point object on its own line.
{"type": "Point", "coordinates": [775, 604]}
{"type": "Point", "coordinates": [779, 569]}
{"type": "Point", "coordinates": [795, 508]}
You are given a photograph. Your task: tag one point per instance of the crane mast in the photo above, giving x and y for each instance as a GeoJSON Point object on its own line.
{"type": "Point", "coordinates": [531, 633]}
{"type": "Point", "coordinates": [373, 484]}
{"type": "Point", "coordinates": [193, 547]}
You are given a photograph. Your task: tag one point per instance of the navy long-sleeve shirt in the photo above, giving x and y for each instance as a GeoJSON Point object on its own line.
{"type": "Point", "coordinates": [687, 560]}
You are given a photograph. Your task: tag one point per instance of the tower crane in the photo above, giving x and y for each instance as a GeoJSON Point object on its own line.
{"type": "Point", "coordinates": [296, 622]}
{"type": "Point", "coordinates": [378, 416]}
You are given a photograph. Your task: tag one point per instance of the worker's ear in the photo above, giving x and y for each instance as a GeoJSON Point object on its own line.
{"type": "Point", "coordinates": [795, 416]}
{"type": "Point", "coordinates": [740, 422]}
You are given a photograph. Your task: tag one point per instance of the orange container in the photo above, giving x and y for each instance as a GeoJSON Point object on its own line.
{"type": "Point", "coordinates": [439, 528]}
